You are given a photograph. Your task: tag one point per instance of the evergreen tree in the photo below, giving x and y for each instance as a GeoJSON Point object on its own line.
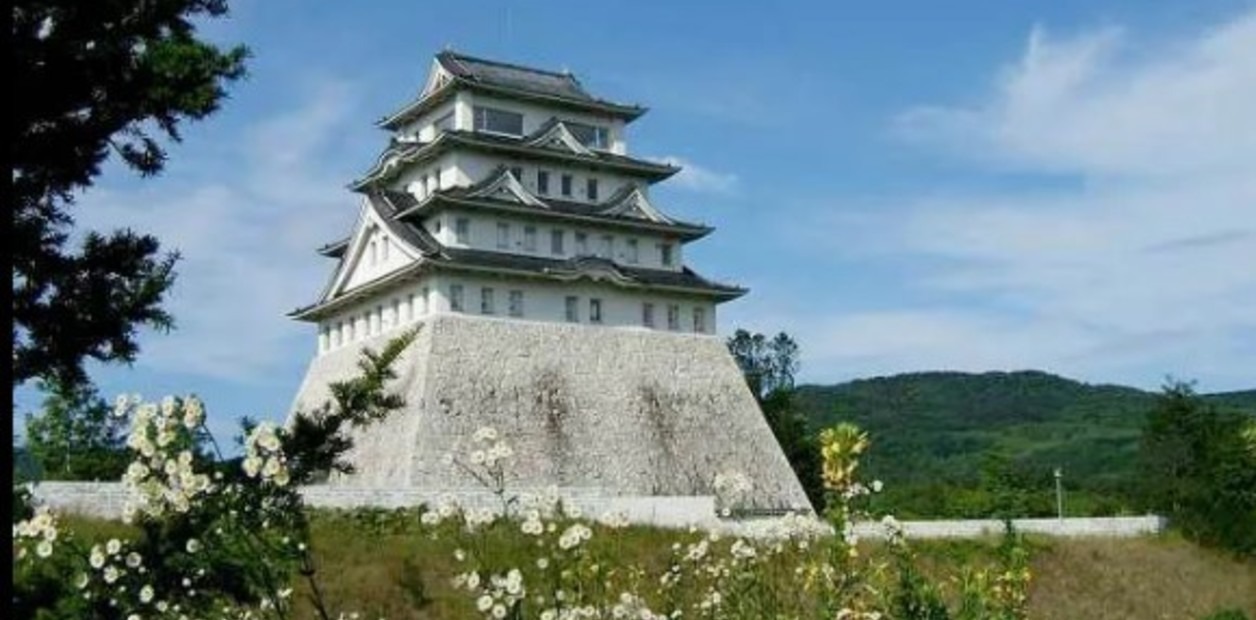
{"type": "Point", "coordinates": [75, 437]}
{"type": "Point", "coordinates": [769, 367]}
{"type": "Point", "coordinates": [95, 78]}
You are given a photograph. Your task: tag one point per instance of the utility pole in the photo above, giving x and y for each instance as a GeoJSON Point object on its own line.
{"type": "Point", "coordinates": [1059, 494]}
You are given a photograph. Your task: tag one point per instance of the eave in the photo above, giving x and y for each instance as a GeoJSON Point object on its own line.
{"type": "Point", "coordinates": [394, 121]}
{"type": "Point", "coordinates": [419, 153]}
{"type": "Point", "coordinates": [441, 201]}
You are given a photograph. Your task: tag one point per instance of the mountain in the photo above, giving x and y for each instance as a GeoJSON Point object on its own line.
{"type": "Point", "coordinates": [935, 432]}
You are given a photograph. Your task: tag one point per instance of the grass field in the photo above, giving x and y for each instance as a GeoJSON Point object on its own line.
{"type": "Point", "coordinates": [386, 566]}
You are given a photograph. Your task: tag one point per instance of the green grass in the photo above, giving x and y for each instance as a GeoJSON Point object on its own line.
{"type": "Point", "coordinates": [384, 564]}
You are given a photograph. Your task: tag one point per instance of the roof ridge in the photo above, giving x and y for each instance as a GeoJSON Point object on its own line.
{"type": "Point", "coordinates": [459, 56]}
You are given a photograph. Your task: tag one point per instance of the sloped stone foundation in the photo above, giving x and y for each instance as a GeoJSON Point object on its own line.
{"type": "Point", "coordinates": [631, 412]}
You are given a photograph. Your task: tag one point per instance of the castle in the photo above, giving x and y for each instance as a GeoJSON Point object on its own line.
{"type": "Point", "coordinates": [508, 221]}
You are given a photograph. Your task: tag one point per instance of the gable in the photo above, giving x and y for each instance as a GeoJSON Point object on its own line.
{"type": "Point", "coordinates": [373, 252]}
{"type": "Point", "coordinates": [504, 186]}
{"type": "Point", "coordinates": [558, 138]}
{"type": "Point", "coordinates": [635, 205]}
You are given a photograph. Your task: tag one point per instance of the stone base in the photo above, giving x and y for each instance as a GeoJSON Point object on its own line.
{"type": "Point", "coordinates": [631, 412]}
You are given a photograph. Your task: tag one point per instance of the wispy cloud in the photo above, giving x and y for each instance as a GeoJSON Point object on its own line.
{"type": "Point", "coordinates": [245, 234]}
{"type": "Point", "coordinates": [695, 178]}
{"type": "Point", "coordinates": [1142, 267]}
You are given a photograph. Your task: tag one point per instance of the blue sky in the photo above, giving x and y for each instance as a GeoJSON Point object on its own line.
{"type": "Point", "coordinates": [903, 186]}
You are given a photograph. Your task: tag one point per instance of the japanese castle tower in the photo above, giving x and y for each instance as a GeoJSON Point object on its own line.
{"type": "Point", "coordinates": [507, 220]}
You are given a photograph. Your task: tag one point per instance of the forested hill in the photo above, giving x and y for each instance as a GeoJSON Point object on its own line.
{"type": "Point", "coordinates": [937, 428]}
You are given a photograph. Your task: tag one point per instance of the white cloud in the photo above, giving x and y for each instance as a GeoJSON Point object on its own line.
{"type": "Point", "coordinates": [695, 178]}
{"type": "Point", "coordinates": [246, 240]}
{"type": "Point", "coordinates": [1144, 264]}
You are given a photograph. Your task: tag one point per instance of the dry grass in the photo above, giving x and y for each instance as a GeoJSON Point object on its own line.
{"type": "Point", "coordinates": [1143, 578]}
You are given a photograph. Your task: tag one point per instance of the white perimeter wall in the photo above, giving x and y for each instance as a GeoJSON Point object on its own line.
{"type": "Point", "coordinates": [107, 500]}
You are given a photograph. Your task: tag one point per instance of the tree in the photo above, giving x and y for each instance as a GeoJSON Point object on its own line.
{"type": "Point", "coordinates": [101, 77]}
{"type": "Point", "coordinates": [75, 437]}
{"type": "Point", "coordinates": [769, 367]}
{"type": "Point", "coordinates": [1198, 469]}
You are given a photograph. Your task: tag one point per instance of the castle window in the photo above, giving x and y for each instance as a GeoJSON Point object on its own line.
{"type": "Point", "coordinates": [608, 246]}
{"type": "Point", "coordinates": [699, 320]}
{"type": "Point", "coordinates": [592, 136]}
{"type": "Point", "coordinates": [542, 182]}
{"type": "Point", "coordinates": [673, 317]}
{"type": "Point", "coordinates": [556, 242]}
{"type": "Point", "coordinates": [495, 120]}
{"type": "Point", "coordinates": [462, 230]}
{"type": "Point", "coordinates": [394, 318]}
{"type": "Point", "coordinates": [486, 301]}
{"type": "Point", "coordinates": [582, 244]}
{"type": "Point", "coordinates": [436, 227]}
{"type": "Point", "coordinates": [647, 314]}
{"type": "Point", "coordinates": [455, 297]}
{"type": "Point", "coordinates": [386, 242]}
{"type": "Point", "coordinates": [565, 183]}
{"type": "Point", "coordinates": [409, 308]}
{"type": "Point", "coordinates": [516, 303]}
{"type": "Point", "coordinates": [371, 253]}
{"type": "Point", "coordinates": [503, 235]}
{"type": "Point", "coordinates": [529, 238]}
{"type": "Point", "coordinates": [377, 320]}
{"type": "Point", "coordinates": [665, 254]}
{"type": "Point", "coordinates": [595, 310]}
{"type": "Point", "coordinates": [423, 298]}
{"type": "Point", "coordinates": [631, 255]}
{"type": "Point", "coordinates": [338, 336]}
{"type": "Point", "coordinates": [590, 189]}
{"type": "Point", "coordinates": [573, 309]}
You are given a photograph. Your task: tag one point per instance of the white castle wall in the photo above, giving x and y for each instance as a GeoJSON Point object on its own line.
{"type": "Point", "coordinates": [635, 412]}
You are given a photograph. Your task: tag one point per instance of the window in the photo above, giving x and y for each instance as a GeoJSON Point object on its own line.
{"type": "Point", "coordinates": [503, 235]}
{"type": "Point", "coordinates": [410, 308]}
{"type": "Point", "coordinates": [665, 254]}
{"type": "Point", "coordinates": [455, 297]}
{"type": "Point", "coordinates": [631, 255]}
{"type": "Point", "coordinates": [337, 337]}
{"type": "Point", "coordinates": [516, 303]}
{"type": "Point", "coordinates": [566, 184]}
{"type": "Point", "coordinates": [436, 227]}
{"type": "Point", "coordinates": [590, 189]}
{"type": "Point", "coordinates": [556, 242]}
{"type": "Point", "coordinates": [699, 320]}
{"type": "Point", "coordinates": [386, 242]}
{"type": "Point", "coordinates": [529, 238]}
{"type": "Point", "coordinates": [486, 301]}
{"type": "Point", "coordinates": [592, 136]}
{"type": "Point", "coordinates": [423, 298]}
{"type": "Point", "coordinates": [608, 247]}
{"type": "Point", "coordinates": [422, 186]}
{"type": "Point", "coordinates": [517, 172]}
{"type": "Point", "coordinates": [374, 258]}
{"type": "Point", "coordinates": [673, 317]}
{"type": "Point", "coordinates": [462, 230]}
{"type": "Point", "coordinates": [582, 244]}
{"type": "Point", "coordinates": [647, 314]}
{"type": "Point", "coordinates": [394, 318]}
{"type": "Point", "coordinates": [595, 310]}
{"type": "Point", "coordinates": [376, 319]}
{"type": "Point", "coordinates": [542, 182]}
{"type": "Point", "coordinates": [498, 121]}
{"type": "Point", "coordinates": [444, 123]}
{"type": "Point", "coordinates": [573, 309]}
